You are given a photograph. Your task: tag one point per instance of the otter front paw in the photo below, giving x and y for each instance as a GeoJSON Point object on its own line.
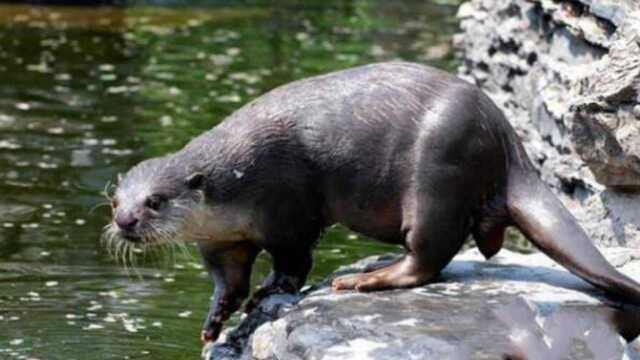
{"type": "Point", "coordinates": [258, 296]}
{"type": "Point", "coordinates": [211, 332]}
{"type": "Point", "coordinates": [220, 313]}
{"type": "Point", "coordinates": [282, 287]}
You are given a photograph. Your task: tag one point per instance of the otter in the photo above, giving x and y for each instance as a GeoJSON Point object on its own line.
{"type": "Point", "coordinates": [400, 152]}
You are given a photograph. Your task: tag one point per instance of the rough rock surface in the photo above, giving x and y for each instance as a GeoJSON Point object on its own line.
{"type": "Point", "coordinates": [567, 74]}
{"type": "Point", "coordinates": [512, 305]}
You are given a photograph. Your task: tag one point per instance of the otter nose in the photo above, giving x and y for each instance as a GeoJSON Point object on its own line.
{"type": "Point", "coordinates": [126, 221]}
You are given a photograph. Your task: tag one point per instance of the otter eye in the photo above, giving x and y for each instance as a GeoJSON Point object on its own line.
{"type": "Point", "coordinates": [195, 180]}
{"type": "Point", "coordinates": [155, 202]}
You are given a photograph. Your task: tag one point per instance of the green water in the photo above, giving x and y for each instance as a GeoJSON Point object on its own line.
{"type": "Point", "coordinates": [85, 93]}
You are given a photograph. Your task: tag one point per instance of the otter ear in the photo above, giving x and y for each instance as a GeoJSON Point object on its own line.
{"type": "Point", "coordinates": [195, 180]}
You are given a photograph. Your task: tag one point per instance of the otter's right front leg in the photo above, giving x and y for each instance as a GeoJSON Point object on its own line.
{"type": "Point", "coordinates": [230, 268]}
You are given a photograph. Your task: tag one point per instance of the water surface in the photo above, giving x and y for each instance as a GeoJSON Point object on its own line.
{"type": "Point", "coordinates": [87, 92]}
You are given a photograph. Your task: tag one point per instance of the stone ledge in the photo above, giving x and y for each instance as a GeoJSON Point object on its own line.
{"type": "Point", "coordinates": [513, 305]}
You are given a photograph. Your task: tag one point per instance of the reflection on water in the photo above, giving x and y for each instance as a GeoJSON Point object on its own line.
{"type": "Point", "coordinates": [85, 93]}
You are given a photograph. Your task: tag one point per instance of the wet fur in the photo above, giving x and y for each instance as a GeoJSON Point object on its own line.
{"type": "Point", "coordinates": [400, 152]}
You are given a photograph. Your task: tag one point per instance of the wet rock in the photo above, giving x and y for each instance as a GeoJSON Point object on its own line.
{"type": "Point", "coordinates": [511, 306]}
{"type": "Point", "coordinates": [233, 342]}
{"type": "Point", "coordinates": [567, 75]}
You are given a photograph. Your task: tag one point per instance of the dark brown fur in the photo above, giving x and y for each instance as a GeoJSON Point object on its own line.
{"type": "Point", "coordinates": [401, 152]}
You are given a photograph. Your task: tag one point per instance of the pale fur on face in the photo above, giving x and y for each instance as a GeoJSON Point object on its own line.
{"type": "Point", "coordinates": [222, 224]}
{"type": "Point", "coordinates": [186, 214]}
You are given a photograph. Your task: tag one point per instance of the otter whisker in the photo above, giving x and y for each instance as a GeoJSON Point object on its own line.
{"type": "Point", "coordinates": [134, 264]}
{"type": "Point", "coordinates": [165, 234]}
{"type": "Point", "coordinates": [105, 191]}
{"type": "Point", "coordinates": [93, 208]}
{"type": "Point", "coordinates": [181, 206]}
{"type": "Point", "coordinates": [179, 242]}
{"type": "Point", "coordinates": [114, 248]}
{"type": "Point", "coordinates": [107, 240]}
{"type": "Point", "coordinates": [172, 248]}
{"type": "Point", "coordinates": [120, 250]}
{"type": "Point", "coordinates": [123, 255]}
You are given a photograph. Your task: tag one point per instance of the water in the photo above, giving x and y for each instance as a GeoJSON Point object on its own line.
{"type": "Point", "coordinates": [85, 93]}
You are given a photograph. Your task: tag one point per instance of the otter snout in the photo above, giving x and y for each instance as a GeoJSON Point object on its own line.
{"type": "Point", "coordinates": [127, 222]}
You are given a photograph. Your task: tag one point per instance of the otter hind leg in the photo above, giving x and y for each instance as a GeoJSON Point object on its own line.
{"type": "Point", "coordinates": [431, 243]}
{"type": "Point", "coordinates": [400, 274]}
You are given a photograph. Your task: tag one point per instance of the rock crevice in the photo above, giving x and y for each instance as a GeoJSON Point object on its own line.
{"type": "Point", "coordinates": [567, 75]}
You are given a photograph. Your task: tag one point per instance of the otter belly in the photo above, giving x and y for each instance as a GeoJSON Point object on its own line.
{"type": "Point", "coordinates": [372, 208]}
{"type": "Point", "coordinates": [379, 221]}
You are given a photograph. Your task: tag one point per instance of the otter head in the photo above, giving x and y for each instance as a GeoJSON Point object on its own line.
{"type": "Point", "coordinates": [153, 203]}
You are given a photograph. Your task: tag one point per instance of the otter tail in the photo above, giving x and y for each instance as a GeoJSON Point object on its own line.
{"type": "Point", "coordinates": [543, 219]}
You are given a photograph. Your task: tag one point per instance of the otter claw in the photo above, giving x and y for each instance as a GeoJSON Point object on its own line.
{"type": "Point", "coordinates": [260, 295]}
{"type": "Point", "coordinates": [211, 334]}
{"type": "Point", "coordinates": [253, 303]}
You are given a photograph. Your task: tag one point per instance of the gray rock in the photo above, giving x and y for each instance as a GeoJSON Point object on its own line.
{"type": "Point", "coordinates": [513, 305]}
{"type": "Point", "coordinates": [232, 343]}
{"type": "Point", "coordinates": [567, 75]}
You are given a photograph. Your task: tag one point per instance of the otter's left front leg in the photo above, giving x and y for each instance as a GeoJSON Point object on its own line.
{"type": "Point", "coordinates": [290, 270]}
{"type": "Point", "coordinates": [230, 267]}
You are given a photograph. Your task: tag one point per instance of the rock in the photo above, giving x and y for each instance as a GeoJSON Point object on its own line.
{"type": "Point", "coordinates": [232, 343]}
{"type": "Point", "coordinates": [511, 306]}
{"type": "Point", "coordinates": [567, 75]}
